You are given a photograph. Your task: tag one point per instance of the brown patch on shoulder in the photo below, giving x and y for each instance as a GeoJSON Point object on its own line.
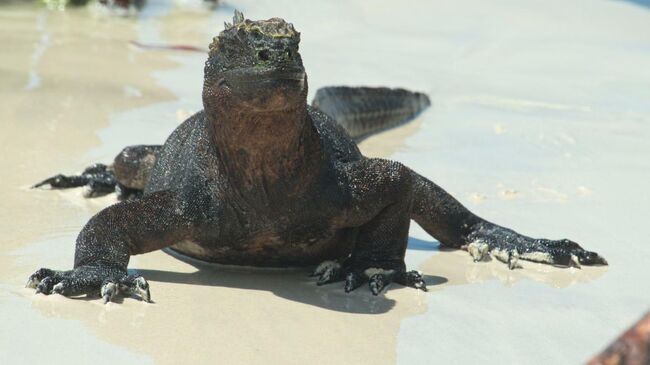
{"type": "Point", "coordinates": [133, 165]}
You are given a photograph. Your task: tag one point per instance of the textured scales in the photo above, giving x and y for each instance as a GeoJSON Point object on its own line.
{"type": "Point", "coordinates": [261, 178]}
{"type": "Point", "coordinates": [362, 111]}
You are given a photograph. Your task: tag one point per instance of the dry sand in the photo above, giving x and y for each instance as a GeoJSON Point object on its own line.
{"type": "Point", "coordinates": [540, 122]}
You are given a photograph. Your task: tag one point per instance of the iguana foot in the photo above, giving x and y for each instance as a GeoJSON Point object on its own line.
{"type": "Point", "coordinates": [328, 272]}
{"type": "Point", "coordinates": [89, 280]}
{"type": "Point", "coordinates": [126, 193]}
{"type": "Point", "coordinates": [377, 278]}
{"type": "Point", "coordinates": [97, 179]}
{"type": "Point", "coordinates": [509, 247]}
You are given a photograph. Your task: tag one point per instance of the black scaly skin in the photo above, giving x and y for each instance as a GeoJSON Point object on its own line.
{"type": "Point", "coordinates": [362, 111]}
{"type": "Point", "coordinates": [127, 175]}
{"type": "Point", "coordinates": [260, 178]}
{"type": "Point", "coordinates": [99, 180]}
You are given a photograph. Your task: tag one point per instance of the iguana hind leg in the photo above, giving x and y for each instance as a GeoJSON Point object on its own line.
{"type": "Point", "coordinates": [98, 180]}
{"type": "Point", "coordinates": [127, 175]}
{"type": "Point", "coordinates": [444, 218]}
{"type": "Point", "coordinates": [380, 206]}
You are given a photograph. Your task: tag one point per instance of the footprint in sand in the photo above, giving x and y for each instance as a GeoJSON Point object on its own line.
{"type": "Point", "coordinates": [508, 193]}
{"type": "Point", "coordinates": [476, 198]}
{"type": "Point", "coordinates": [584, 191]}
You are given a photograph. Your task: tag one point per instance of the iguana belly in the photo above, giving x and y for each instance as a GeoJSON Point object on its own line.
{"type": "Point", "coordinates": [267, 249]}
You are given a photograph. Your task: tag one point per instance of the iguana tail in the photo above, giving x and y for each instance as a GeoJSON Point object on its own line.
{"type": "Point", "coordinates": [366, 110]}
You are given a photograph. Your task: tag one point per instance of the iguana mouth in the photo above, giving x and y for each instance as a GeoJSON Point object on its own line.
{"type": "Point", "coordinates": [267, 89]}
{"type": "Point", "coordinates": [254, 74]}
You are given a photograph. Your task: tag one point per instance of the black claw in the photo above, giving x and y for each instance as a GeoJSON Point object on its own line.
{"type": "Point", "coordinates": [143, 285]}
{"type": "Point", "coordinates": [377, 283]}
{"type": "Point", "coordinates": [329, 276]}
{"type": "Point", "coordinates": [48, 181]}
{"type": "Point", "coordinates": [62, 181]}
{"type": "Point", "coordinates": [323, 279]}
{"type": "Point", "coordinates": [513, 260]}
{"type": "Point", "coordinates": [146, 295]}
{"type": "Point", "coordinates": [135, 284]}
{"type": "Point", "coordinates": [99, 179]}
{"type": "Point", "coordinates": [87, 280]}
{"type": "Point", "coordinates": [411, 279]}
{"type": "Point", "coordinates": [59, 288]}
{"type": "Point", "coordinates": [591, 258]}
{"type": "Point", "coordinates": [352, 281]}
{"type": "Point", "coordinates": [561, 257]}
{"type": "Point", "coordinates": [108, 291]}
{"type": "Point", "coordinates": [562, 252]}
{"type": "Point", "coordinates": [36, 277]}
{"type": "Point", "coordinates": [45, 286]}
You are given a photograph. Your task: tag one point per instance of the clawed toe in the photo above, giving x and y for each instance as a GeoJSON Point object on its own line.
{"type": "Point", "coordinates": [142, 289]}
{"type": "Point", "coordinates": [479, 250]}
{"type": "Point", "coordinates": [109, 291]}
{"type": "Point", "coordinates": [97, 180]}
{"type": "Point", "coordinates": [591, 258]}
{"type": "Point", "coordinates": [88, 280]}
{"type": "Point", "coordinates": [377, 283]}
{"type": "Point", "coordinates": [353, 280]}
{"type": "Point", "coordinates": [136, 285]}
{"type": "Point", "coordinates": [45, 286]}
{"type": "Point", "coordinates": [59, 288]}
{"type": "Point", "coordinates": [37, 277]}
{"type": "Point", "coordinates": [328, 272]}
{"type": "Point", "coordinates": [52, 181]}
{"type": "Point", "coordinates": [411, 279]}
{"type": "Point", "coordinates": [378, 279]}
{"type": "Point", "coordinates": [563, 253]}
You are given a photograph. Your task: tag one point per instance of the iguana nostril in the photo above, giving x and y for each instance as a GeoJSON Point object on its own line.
{"type": "Point", "coordinates": [263, 55]}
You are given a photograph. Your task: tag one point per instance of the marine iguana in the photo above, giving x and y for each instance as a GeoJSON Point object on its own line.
{"type": "Point", "coordinates": [260, 178]}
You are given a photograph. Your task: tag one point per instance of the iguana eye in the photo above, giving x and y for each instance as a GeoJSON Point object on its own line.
{"type": "Point", "coordinates": [263, 55]}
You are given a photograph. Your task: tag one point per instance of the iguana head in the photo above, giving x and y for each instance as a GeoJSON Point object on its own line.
{"type": "Point", "coordinates": [254, 66]}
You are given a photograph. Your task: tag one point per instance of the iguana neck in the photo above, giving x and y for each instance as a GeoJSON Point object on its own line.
{"type": "Point", "coordinates": [272, 152]}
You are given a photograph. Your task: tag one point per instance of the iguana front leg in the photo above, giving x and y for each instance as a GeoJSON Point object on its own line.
{"type": "Point", "coordinates": [444, 218]}
{"type": "Point", "coordinates": [381, 199]}
{"type": "Point", "coordinates": [106, 243]}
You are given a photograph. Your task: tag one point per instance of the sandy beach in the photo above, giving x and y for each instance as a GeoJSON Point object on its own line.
{"type": "Point", "coordinates": [540, 122]}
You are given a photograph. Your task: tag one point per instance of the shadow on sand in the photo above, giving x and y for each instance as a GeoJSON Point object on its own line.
{"type": "Point", "coordinates": [292, 283]}
{"type": "Point", "coordinates": [454, 266]}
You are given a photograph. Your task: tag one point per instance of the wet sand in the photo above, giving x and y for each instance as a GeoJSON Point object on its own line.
{"type": "Point", "coordinates": [544, 130]}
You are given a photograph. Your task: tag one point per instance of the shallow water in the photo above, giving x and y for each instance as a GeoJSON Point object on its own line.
{"type": "Point", "coordinates": [540, 122]}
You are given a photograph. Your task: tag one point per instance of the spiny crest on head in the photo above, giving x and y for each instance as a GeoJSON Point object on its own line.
{"type": "Point", "coordinates": [274, 28]}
